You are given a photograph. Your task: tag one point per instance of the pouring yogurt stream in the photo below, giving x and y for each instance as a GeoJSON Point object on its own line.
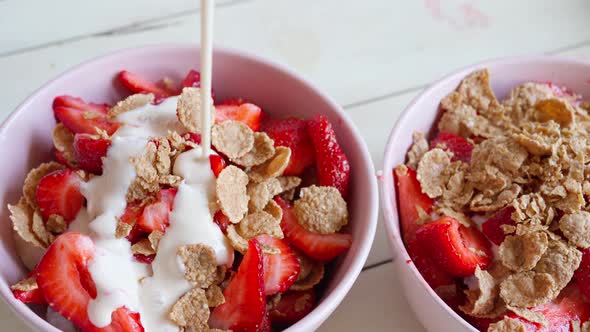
{"type": "Point", "coordinates": [120, 281]}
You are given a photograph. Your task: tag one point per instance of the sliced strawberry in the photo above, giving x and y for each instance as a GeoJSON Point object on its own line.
{"type": "Point", "coordinates": [138, 84]}
{"type": "Point", "coordinates": [193, 137]}
{"type": "Point", "coordinates": [79, 104]}
{"type": "Point", "coordinates": [492, 227]}
{"type": "Point", "coordinates": [458, 145]}
{"type": "Point", "coordinates": [280, 270]}
{"type": "Point", "coordinates": [332, 165]}
{"type": "Point", "coordinates": [34, 296]}
{"type": "Point", "coordinates": [293, 134]}
{"type": "Point", "coordinates": [217, 164]}
{"type": "Point", "coordinates": [132, 212]}
{"type": "Point", "coordinates": [61, 158]}
{"type": "Point", "coordinates": [64, 279]}
{"type": "Point", "coordinates": [292, 307]}
{"type": "Point", "coordinates": [412, 202]}
{"type": "Point", "coordinates": [245, 303]}
{"type": "Point", "coordinates": [321, 247]}
{"type": "Point", "coordinates": [59, 193]}
{"type": "Point", "coordinates": [234, 101]}
{"type": "Point", "coordinates": [155, 216]}
{"type": "Point", "coordinates": [433, 273]}
{"type": "Point", "coordinates": [222, 221]}
{"type": "Point", "coordinates": [80, 121]}
{"type": "Point", "coordinates": [248, 113]}
{"type": "Point", "coordinates": [192, 79]}
{"type": "Point", "coordinates": [456, 248]}
{"type": "Point", "coordinates": [145, 259]}
{"type": "Point", "coordinates": [89, 151]}
{"type": "Point", "coordinates": [568, 306]}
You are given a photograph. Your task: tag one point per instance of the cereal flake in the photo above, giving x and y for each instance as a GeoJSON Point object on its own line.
{"type": "Point", "coordinates": [321, 209]}
{"type": "Point", "coordinates": [232, 138]}
{"type": "Point", "coordinates": [22, 222]}
{"type": "Point", "coordinates": [214, 296]}
{"type": "Point", "coordinates": [522, 252]}
{"type": "Point", "coordinates": [232, 193]}
{"type": "Point", "coordinates": [576, 228]}
{"type": "Point", "coordinates": [528, 289]}
{"type": "Point", "coordinates": [33, 178]}
{"type": "Point", "coordinates": [130, 103]}
{"type": "Point", "coordinates": [188, 109]}
{"type": "Point", "coordinates": [259, 223]}
{"type": "Point", "coordinates": [430, 171]}
{"type": "Point", "coordinates": [200, 264]}
{"type": "Point", "coordinates": [192, 309]}
{"type": "Point", "coordinates": [507, 325]}
{"type": "Point", "coordinates": [273, 167]}
{"type": "Point", "coordinates": [417, 150]}
{"type": "Point", "coordinates": [262, 150]}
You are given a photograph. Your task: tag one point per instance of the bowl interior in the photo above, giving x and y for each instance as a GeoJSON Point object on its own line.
{"type": "Point", "coordinates": [422, 113]}
{"type": "Point", "coordinates": [277, 90]}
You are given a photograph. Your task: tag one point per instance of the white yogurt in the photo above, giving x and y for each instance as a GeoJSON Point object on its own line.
{"type": "Point", "coordinates": [116, 275]}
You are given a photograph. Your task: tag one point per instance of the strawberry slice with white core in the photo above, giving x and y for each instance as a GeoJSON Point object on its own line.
{"type": "Point", "coordinates": [138, 84]}
{"type": "Point", "coordinates": [156, 216]}
{"type": "Point", "coordinates": [247, 113]}
{"type": "Point", "coordinates": [59, 193]}
{"type": "Point", "coordinates": [321, 247]}
{"type": "Point", "coordinates": [245, 303]}
{"type": "Point", "coordinates": [65, 281]}
{"type": "Point", "coordinates": [280, 270]}
{"type": "Point", "coordinates": [81, 117]}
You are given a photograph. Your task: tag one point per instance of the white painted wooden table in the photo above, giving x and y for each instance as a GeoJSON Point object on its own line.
{"type": "Point", "coordinates": [372, 56]}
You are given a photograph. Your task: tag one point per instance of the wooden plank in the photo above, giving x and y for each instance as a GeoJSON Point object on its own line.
{"type": "Point", "coordinates": [375, 303]}
{"type": "Point", "coordinates": [354, 53]}
{"type": "Point", "coordinates": [46, 22]}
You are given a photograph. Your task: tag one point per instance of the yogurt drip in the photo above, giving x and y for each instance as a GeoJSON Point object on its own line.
{"type": "Point", "coordinates": [114, 271]}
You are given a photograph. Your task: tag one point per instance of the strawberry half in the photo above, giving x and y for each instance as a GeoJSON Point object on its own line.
{"type": "Point", "coordinates": [292, 307]}
{"type": "Point", "coordinates": [156, 216]}
{"type": "Point", "coordinates": [64, 279]}
{"type": "Point", "coordinates": [79, 104]}
{"type": "Point", "coordinates": [280, 270]}
{"type": "Point", "coordinates": [456, 248]}
{"type": "Point", "coordinates": [492, 227]}
{"type": "Point", "coordinates": [138, 84]}
{"type": "Point", "coordinates": [321, 247]}
{"type": "Point", "coordinates": [245, 303]}
{"type": "Point", "coordinates": [59, 193]}
{"type": "Point", "coordinates": [411, 200]}
{"type": "Point", "coordinates": [34, 296]}
{"type": "Point", "coordinates": [293, 134]}
{"type": "Point", "coordinates": [82, 117]}
{"type": "Point", "coordinates": [458, 145]}
{"type": "Point", "coordinates": [89, 151]}
{"type": "Point", "coordinates": [332, 165]}
{"type": "Point", "coordinates": [247, 113]}
{"type": "Point", "coordinates": [434, 274]}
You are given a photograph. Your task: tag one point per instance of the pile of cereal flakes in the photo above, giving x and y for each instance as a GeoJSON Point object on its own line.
{"type": "Point", "coordinates": [530, 160]}
{"type": "Point", "coordinates": [248, 181]}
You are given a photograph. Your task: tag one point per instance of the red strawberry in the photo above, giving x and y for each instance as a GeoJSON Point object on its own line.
{"type": "Point", "coordinates": [458, 145]}
{"type": "Point", "coordinates": [217, 164]}
{"type": "Point", "coordinates": [193, 137]}
{"type": "Point", "coordinates": [64, 279]}
{"type": "Point", "coordinates": [59, 193]}
{"type": "Point", "coordinates": [84, 121]}
{"type": "Point", "coordinates": [89, 152]}
{"type": "Point", "coordinates": [234, 101]}
{"type": "Point", "coordinates": [144, 259]}
{"type": "Point", "coordinates": [79, 104]}
{"type": "Point", "coordinates": [292, 307]}
{"type": "Point", "coordinates": [155, 216]}
{"type": "Point", "coordinates": [332, 165]}
{"type": "Point", "coordinates": [434, 274]}
{"type": "Point", "coordinates": [321, 247]}
{"type": "Point", "coordinates": [568, 306]}
{"type": "Point", "coordinates": [138, 84]}
{"type": "Point", "coordinates": [192, 79]}
{"type": "Point", "coordinates": [456, 248]}
{"type": "Point", "coordinates": [410, 201]}
{"type": "Point", "coordinates": [132, 212]}
{"type": "Point", "coordinates": [34, 296]}
{"type": "Point", "coordinates": [245, 303]}
{"type": "Point", "coordinates": [293, 134]}
{"type": "Point", "coordinates": [280, 270]}
{"type": "Point", "coordinates": [492, 227]}
{"type": "Point", "coordinates": [61, 158]}
{"type": "Point", "coordinates": [249, 114]}
{"type": "Point", "coordinates": [582, 274]}
{"type": "Point", "coordinates": [222, 221]}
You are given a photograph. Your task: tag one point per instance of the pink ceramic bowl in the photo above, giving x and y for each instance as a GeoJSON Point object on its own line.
{"type": "Point", "coordinates": [26, 141]}
{"type": "Point", "coordinates": [420, 115]}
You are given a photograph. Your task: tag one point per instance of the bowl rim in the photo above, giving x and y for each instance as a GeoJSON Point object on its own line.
{"type": "Point", "coordinates": [331, 300]}
{"type": "Point", "coordinates": [386, 186]}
